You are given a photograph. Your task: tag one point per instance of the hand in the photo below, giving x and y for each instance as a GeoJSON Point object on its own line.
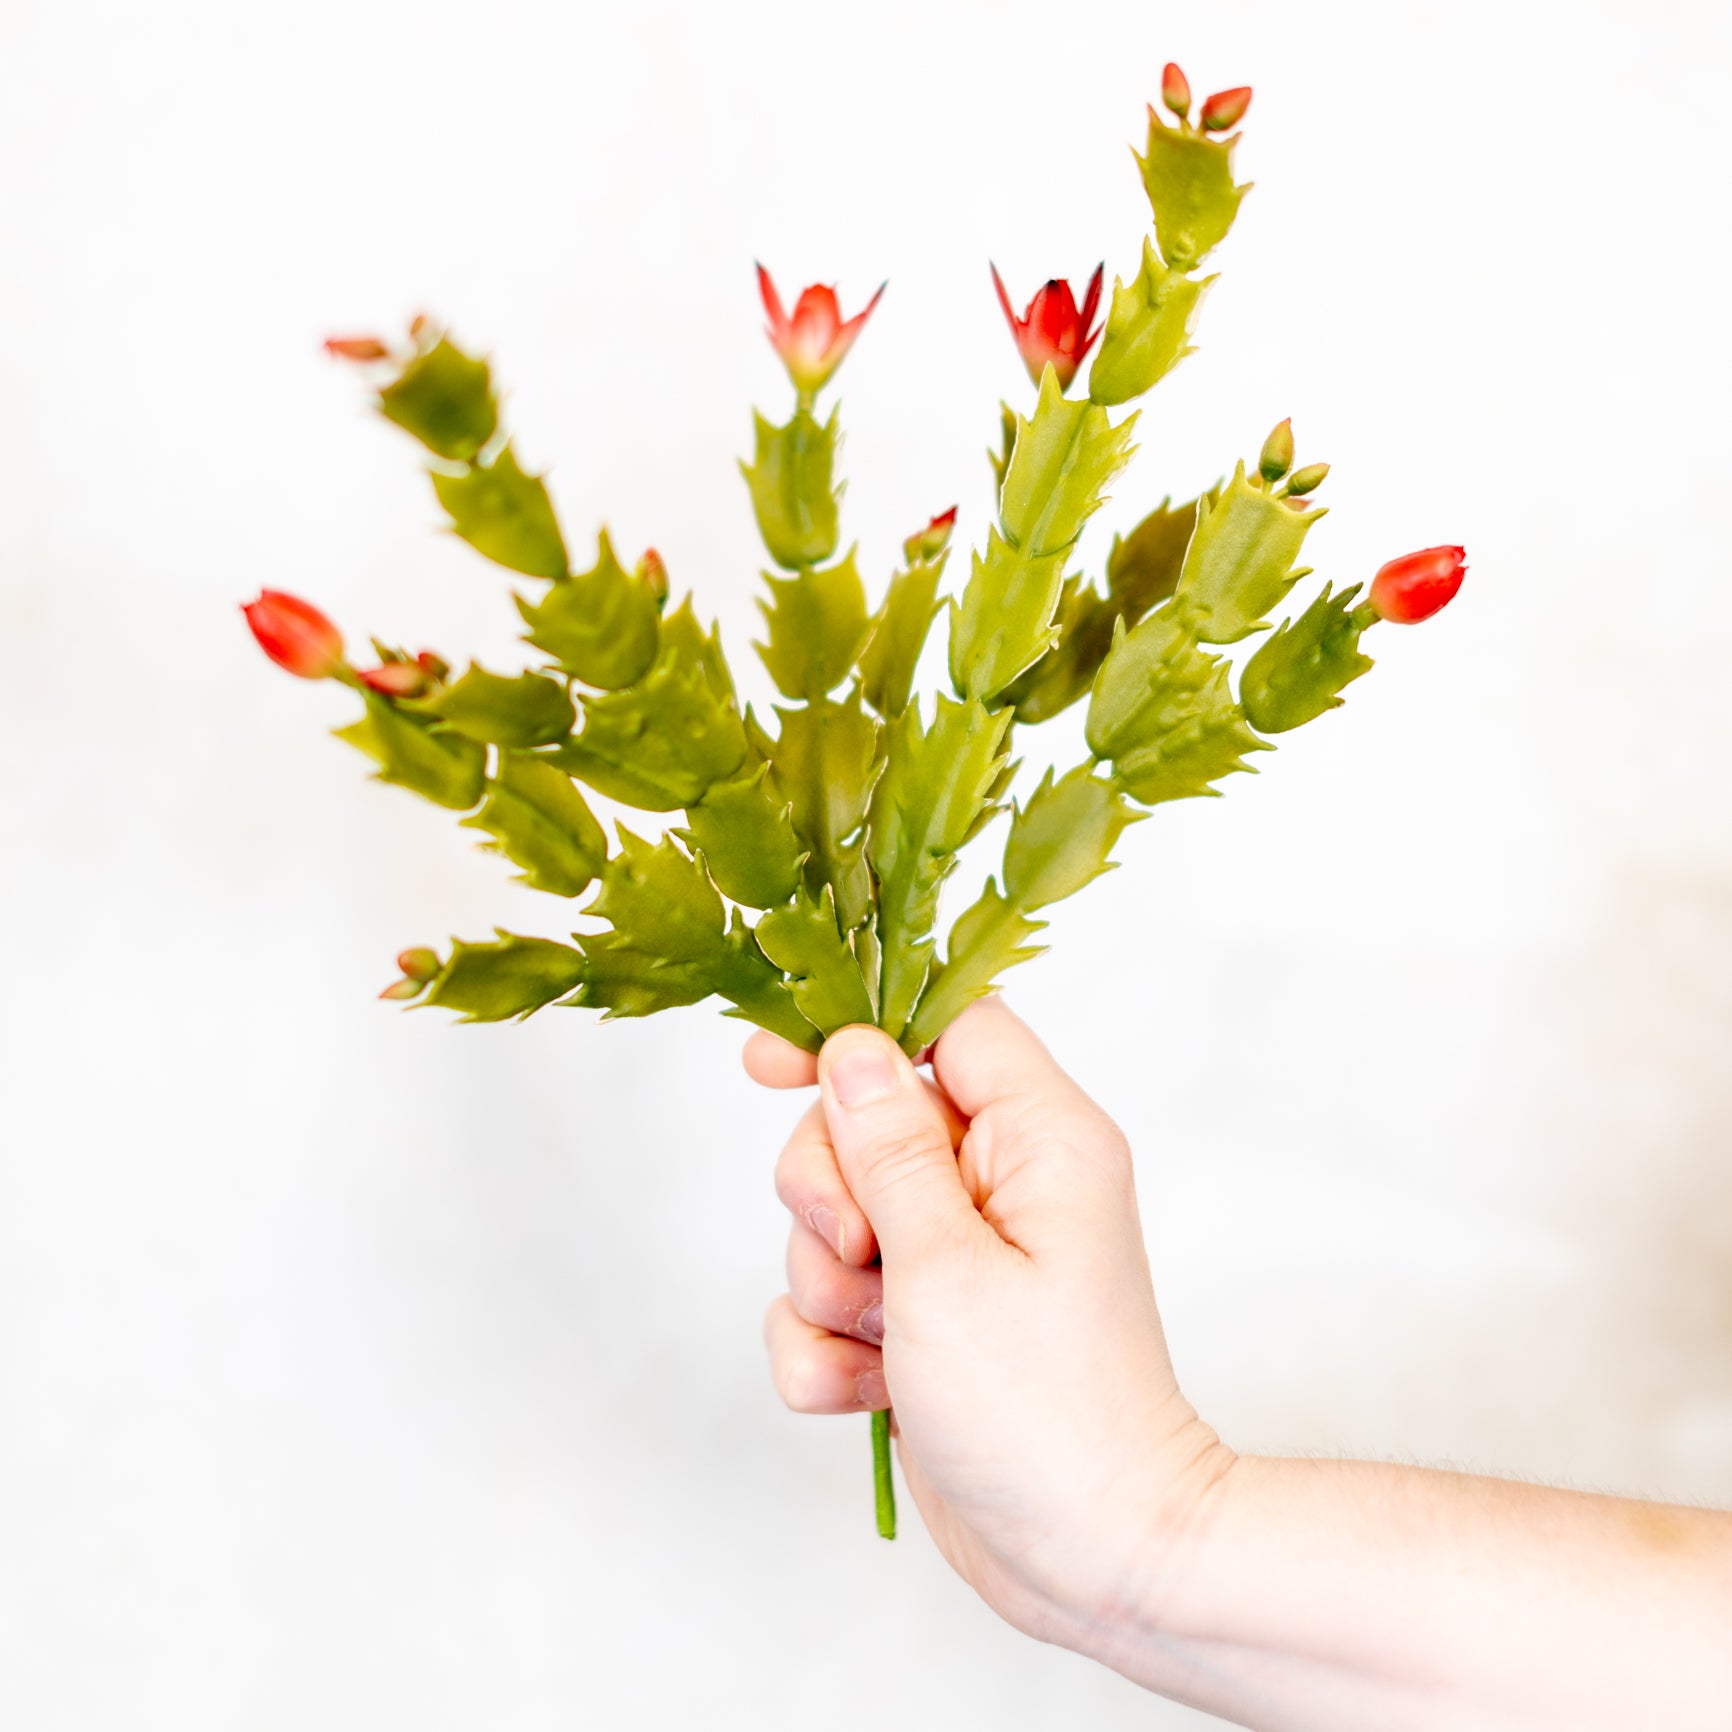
{"type": "Point", "coordinates": [1012, 1324]}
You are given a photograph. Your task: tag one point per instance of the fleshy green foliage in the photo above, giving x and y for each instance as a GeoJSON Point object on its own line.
{"type": "Point", "coordinates": [935, 784]}
{"type": "Point", "coordinates": [1240, 563]}
{"type": "Point", "coordinates": [840, 830]}
{"type": "Point", "coordinates": [433, 762]}
{"type": "Point", "coordinates": [601, 626]}
{"type": "Point", "coordinates": [803, 939]}
{"type": "Point", "coordinates": [1065, 455]}
{"type": "Point", "coordinates": [505, 515]}
{"type": "Point", "coordinates": [817, 621]}
{"type": "Point", "coordinates": [1189, 180]}
{"type": "Point", "coordinates": [524, 710]}
{"type": "Point", "coordinates": [445, 399]}
{"type": "Point", "coordinates": [670, 943]}
{"type": "Point", "coordinates": [513, 977]}
{"type": "Point", "coordinates": [789, 479]}
{"type": "Point", "coordinates": [899, 630]}
{"type": "Point", "coordinates": [1299, 671]}
{"type": "Point", "coordinates": [1148, 330]}
{"type": "Point", "coordinates": [540, 822]}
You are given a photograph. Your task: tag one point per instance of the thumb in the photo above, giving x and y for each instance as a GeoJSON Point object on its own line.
{"type": "Point", "coordinates": [893, 1145]}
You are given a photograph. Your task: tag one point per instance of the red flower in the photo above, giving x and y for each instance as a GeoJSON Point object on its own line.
{"type": "Point", "coordinates": [295, 635]}
{"type": "Point", "coordinates": [355, 349]}
{"type": "Point", "coordinates": [396, 679]}
{"type": "Point", "coordinates": [1417, 585]}
{"type": "Point", "coordinates": [814, 341]}
{"type": "Point", "coordinates": [1053, 332]}
{"type": "Point", "coordinates": [1226, 108]}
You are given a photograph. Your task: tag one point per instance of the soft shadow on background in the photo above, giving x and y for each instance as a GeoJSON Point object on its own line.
{"type": "Point", "coordinates": [358, 1370]}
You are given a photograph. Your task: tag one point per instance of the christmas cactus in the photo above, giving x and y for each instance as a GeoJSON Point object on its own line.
{"type": "Point", "coordinates": [799, 880]}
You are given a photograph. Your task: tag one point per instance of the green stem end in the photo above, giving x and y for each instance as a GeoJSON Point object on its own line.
{"type": "Point", "coordinates": [883, 1487]}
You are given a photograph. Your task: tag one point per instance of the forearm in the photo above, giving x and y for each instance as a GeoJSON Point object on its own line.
{"type": "Point", "coordinates": [1345, 1595]}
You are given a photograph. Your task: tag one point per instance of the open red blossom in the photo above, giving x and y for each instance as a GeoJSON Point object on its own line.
{"type": "Point", "coordinates": [295, 635]}
{"type": "Point", "coordinates": [813, 341]}
{"type": "Point", "coordinates": [1417, 585]}
{"type": "Point", "coordinates": [1054, 331]}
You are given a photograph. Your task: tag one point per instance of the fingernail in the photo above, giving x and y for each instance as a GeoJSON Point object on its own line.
{"type": "Point", "coordinates": [862, 1074]}
{"type": "Point", "coordinates": [828, 1225]}
{"type": "Point", "coordinates": [871, 1324]}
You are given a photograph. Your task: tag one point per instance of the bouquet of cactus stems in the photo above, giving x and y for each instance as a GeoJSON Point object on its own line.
{"type": "Point", "coordinates": [800, 882]}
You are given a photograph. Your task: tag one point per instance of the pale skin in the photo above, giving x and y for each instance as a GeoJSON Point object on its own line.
{"type": "Point", "coordinates": [1050, 1452]}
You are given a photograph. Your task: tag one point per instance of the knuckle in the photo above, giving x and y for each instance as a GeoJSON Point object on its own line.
{"type": "Point", "coordinates": [906, 1154]}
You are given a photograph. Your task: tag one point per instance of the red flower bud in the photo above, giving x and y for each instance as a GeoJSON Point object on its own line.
{"type": "Point", "coordinates": [652, 569]}
{"type": "Point", "coordinates": [399, 990]}
{"type": "Point", "coordinates": [1307, 480]}
{"type": "Point", "coordinates": [1276, 457]}
{"type": "Point", "coordinates": [931, 541]}
{"type": "Point", "coordinates": [395, 679]}
{"type": "Point", "coordinates": [1176, 90]}
{"type": "Point", "coordinates": [356, 349]}
{"type": "Point", "coordinates": [1053, 331]}
{"type": "Point", "coordinates": [434, 667]}
{"type": "Point", "coordinates": [1417, 585]}
{"type": "Point", "coordinates": [813, 341]}
{"type": "Point", "coordinates": [1226, 108]}
{"type": "Point", "coordinates": [420, 963]}
{"type": "Point", "coordinates": [295, 635]}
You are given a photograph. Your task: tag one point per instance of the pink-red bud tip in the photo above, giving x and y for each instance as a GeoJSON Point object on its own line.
{"type": "Point", "coordinates": [295, 635]}
{"type": "Point", "coordinates": [356, 349]}
{"type": "Point", "coordinates": [1176, 90]}
{"type": "Point", "coordinates": [1054, 330]}
{"type": "Point", "coordinates": [812, 340]}
{"type": "Point", "coordinates": [1226, 108]}
{"type": "Point", "coordinates": [1417, 585]}
{"type": "Point", "coordinates": [395, 679]}
{"type": "Point", "coordinates": [931, 541]}
{"type": "Point", "coordinates": [419, 963]}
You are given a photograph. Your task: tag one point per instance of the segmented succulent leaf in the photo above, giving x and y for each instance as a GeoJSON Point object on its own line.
{"type": "Point", "coordinates": [793, 499]}
{"type": "Point", "coordinates": [823, 765]}
{"type": "Point", "coordinates": [433, 762]}
{"type": "Point", "coordinates": [1143, 567]}
{"type": "Point", "coordinates": [986, 940]}
{"type": "Point", "coordinates": [522, 711]}
{"type": "Point", "coordinates": [746, 836]}
{"type": "Point", "coordinates": [1299, 672]}
{"type": "Point", "coordinates": [671, 944]}
{"type": "Point", "coordinates": [1198, 746]}
{"type": "Point", "coordinates": [1189, 179]}
{"type": "Point", "coordinates": [1152, 679]}
{"type": "Point", "coordinates": [1239, 564]}
{"type": "Point", "coordinates": [444, 398]}
{"type": "Point", "coordinates": [935, 783]}
{"type": "Point", "coordinates": [663, 743]}
{"type": "Point", "coordinates": [1000, 459]}
{"type": "Point", "coordinates": [817, 622]}
{"type": "Point", "coordinates": [1063, 838]}
{"type": "Point", "coordinates": [539, 821]}
{"type": "Point", "coordinates": [804, 940]}
{"type": "Point", "coordinates": [685, 644]}
{"type": "Point", "coordinates": [601, 626]}
{"type": "Point", "coordinates": [505, 515]}
{"type": "Point", "coordinates": [511, 978]}
{"type": "Point", "coordinates": [1064, 457]}
{"type": "Point", "coordinates": [899, 632]}
{"type": "Point", "coordinates": [1148, 330]}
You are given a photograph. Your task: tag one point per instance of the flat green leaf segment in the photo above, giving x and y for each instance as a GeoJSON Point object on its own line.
{"type": "Point", "coordinates": [601, 626]}
{"type": "Point", "coordinates": [789, 478]}
{"type": "Point", "coordinates": [539, 821]}
{"type": "Point", "coordinates": [670, 943]}
{"type": "Point", "coordinates": [935, 784]}
{"type": "Point", "coordinates": [511, 978]}
{"type": "Point", "coordinates": [818, 625]}
{"type": "Point", "coordinates": [1064, 457]}
{"type": "Point", "coordinates": [805, 857]}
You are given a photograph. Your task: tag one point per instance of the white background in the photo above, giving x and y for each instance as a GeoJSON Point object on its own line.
{"type": "Point", "coordinates": [362, 1371]}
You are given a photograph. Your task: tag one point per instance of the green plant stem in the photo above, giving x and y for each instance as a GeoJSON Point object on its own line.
{"type": "Point", "coordinates": [883, 1487]}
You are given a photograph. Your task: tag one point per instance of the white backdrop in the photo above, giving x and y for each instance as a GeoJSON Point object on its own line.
{"type": "Point", "coordinates": [362, 1371]}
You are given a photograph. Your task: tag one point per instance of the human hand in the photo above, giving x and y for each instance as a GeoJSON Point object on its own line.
{"type": "Point", "coordinates": [1041, 1430]}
